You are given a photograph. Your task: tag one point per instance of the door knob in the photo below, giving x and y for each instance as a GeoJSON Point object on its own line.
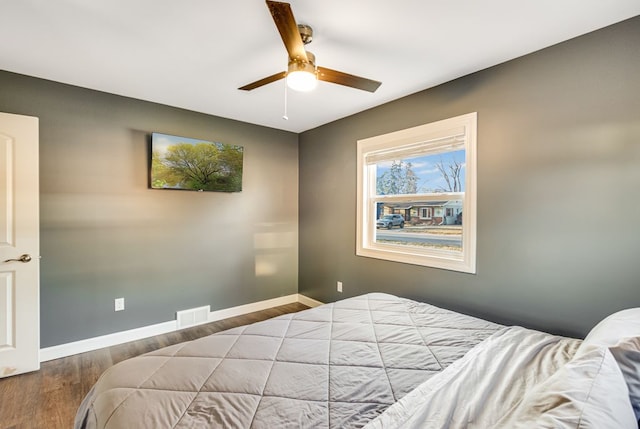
{"type": "Point", "coordinates": [24, 259]}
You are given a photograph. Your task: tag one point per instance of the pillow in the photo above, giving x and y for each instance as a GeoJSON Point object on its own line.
{"type": "Point", "coordinates": [627, 354]}
{"type": "Point", "coordinates": [621, 333]}
{"type": "Point", "coordinates": [588, 392]}
{"type": "Point", "coordinates": [623, 324]}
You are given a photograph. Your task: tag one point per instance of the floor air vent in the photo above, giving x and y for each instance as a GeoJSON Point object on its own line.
{"type": "Point", "coordinates": [192, 317]}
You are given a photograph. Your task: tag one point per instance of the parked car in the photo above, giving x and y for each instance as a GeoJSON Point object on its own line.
{"type": "Point", "coordinates": [390, 220]}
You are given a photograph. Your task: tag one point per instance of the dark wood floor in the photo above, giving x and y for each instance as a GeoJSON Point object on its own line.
{"type": "Point", "coordinates": [50, 397]}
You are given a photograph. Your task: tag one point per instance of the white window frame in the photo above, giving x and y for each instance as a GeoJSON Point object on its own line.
{"type": "Point", "coordinates": [453, 133]}
{"type": "Point", "coordinates": [428, 211]}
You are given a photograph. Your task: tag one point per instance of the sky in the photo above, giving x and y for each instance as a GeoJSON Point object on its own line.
{"type": "Point", "coordinates": [160, 142]}
{"type": "Point", "coordinates": [429, 177]}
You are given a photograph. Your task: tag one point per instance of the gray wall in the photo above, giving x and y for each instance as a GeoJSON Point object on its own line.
{"type": "Point", "coordinates": [104, 234]}
{"type": "Point", "coordinates": [559, 173]}
{"type": "Point", "coordinates": [558, 183]}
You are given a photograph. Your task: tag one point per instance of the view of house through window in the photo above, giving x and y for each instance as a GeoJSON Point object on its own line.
{"type": "Point", "coordinates": [416, 195]}
{"type": "Point", "coordinates": [425, 222]}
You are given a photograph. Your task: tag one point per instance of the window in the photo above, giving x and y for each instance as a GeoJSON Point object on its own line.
{"type": "Point", "coordinates": [417, 195]}
{"type": "Point", "coordinates": [425, 212]}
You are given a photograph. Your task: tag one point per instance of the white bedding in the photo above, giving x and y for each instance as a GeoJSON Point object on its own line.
{"type": "Point", "coordinates": [520, 379]}
{"type": "Point", "coordinates": [484, 386]}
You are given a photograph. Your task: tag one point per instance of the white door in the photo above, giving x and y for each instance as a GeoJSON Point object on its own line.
{"type": "Point", "coordinates": [19, 245]}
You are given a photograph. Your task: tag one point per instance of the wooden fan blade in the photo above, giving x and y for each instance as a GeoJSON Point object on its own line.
{"type": "Point", "coordinates": [346, 79]}
{"type": "Point", "coordinates": [286, 24]}
{"type": "Point", "coordinates": [262, 82]}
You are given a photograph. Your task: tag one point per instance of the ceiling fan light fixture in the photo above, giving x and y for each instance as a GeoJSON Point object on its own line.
{"type": "Point", "coordinates": [301, 75]}
{"type": "Point", "coordinates": [302, 81]}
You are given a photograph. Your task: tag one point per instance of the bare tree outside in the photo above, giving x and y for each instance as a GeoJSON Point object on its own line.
{"type": "Point", "coordinates": [451, 175]}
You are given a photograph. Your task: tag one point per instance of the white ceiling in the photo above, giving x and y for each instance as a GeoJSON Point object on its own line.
{"type": "Point", "coordinates": [194, 54]}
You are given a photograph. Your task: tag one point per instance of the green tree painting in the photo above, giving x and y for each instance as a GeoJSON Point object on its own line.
{"type": "Point", "coordinates": [180, 163]}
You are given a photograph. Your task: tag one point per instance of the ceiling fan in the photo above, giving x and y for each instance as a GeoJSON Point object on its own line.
{"type": "Point", "coordinates": [302, 73]}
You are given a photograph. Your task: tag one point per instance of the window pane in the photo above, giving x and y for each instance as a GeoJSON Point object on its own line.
{"type": "Point", "coordinates": [436, 173]}
{"type": "Point", "coordinates": [422, 224]}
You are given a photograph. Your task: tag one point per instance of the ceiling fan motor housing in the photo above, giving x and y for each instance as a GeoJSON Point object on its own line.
{"type": "Point", "coordinates": [306, 33]}
{"type": "Point", "coordinates": [308, 66]}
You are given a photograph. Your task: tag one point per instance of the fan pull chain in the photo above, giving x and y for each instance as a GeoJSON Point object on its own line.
{"type": "Point", "coordinates": [285, 117]}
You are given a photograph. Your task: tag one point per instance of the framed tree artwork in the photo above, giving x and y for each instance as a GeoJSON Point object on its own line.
{"type": "Point", "coordinates": [183, 163]}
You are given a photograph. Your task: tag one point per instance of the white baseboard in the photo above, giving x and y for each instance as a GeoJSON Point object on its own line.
{"type": "Point", "coordinates": [309, 302]}
{"type": "Point", "coordinates": [68, 349]}
{"type": "Point", "coordinates": [82, 346]}
{"type": "Point", "coordinates": [250, 308]}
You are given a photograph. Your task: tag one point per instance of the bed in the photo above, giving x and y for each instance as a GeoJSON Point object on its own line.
{"type": "Point", "coordinates": [374, 361]}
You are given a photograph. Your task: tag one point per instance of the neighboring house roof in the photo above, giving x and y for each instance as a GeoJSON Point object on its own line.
{"type": "Point", "coordinates": [405, 206]}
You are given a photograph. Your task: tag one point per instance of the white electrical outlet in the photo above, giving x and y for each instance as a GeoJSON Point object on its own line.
{"type": "Point", "coordinates": [119, 304]}
{"type": "Point", "coordinates": [340, 287]}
